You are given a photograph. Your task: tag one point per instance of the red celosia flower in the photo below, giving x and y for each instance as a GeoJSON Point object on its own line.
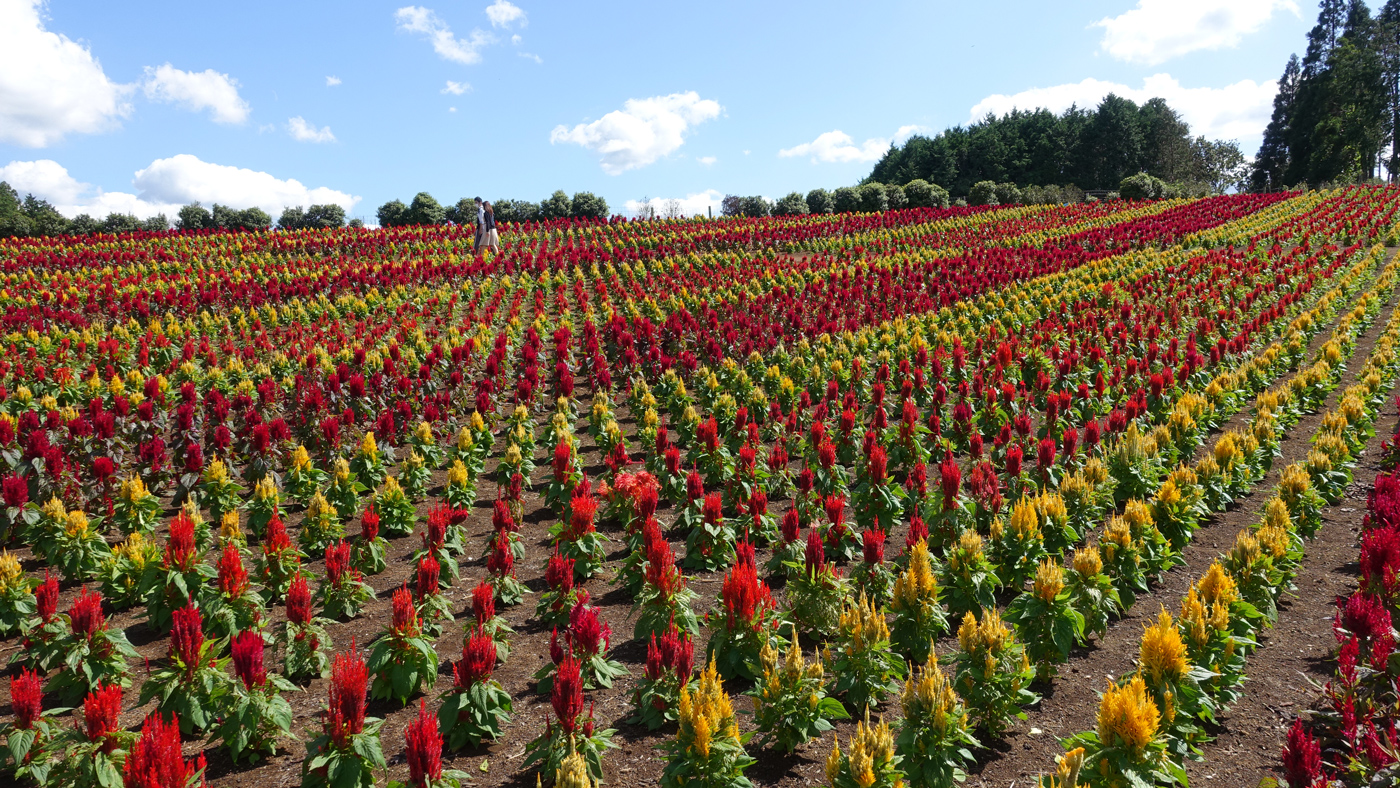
{"type": "Point", "coordinates": [405, 614]}
{"type": "Point", "coordinates": [478, 658]}
{"type": "Point", "coordinates": [233, 578]}
{"type": "Point", "coordinates": [483, 602]}
{"type": "Point", "coordinates": [156, 760]}
{"type": "Point", "coordinates": [1045, 454]}
{"type": "Point", "coordinates": [918, 532]}
{"type": "Point", "coordinates": [582, 509]}
{"type": "Point", "coordinates": [435, 532]}
{"type": "Point", "coordinates": [1363, 615]}
{"type": "Point", "coordinates": [1302, 757]}
{"type": "Point", "coordinates": [345, 715]}
{"type": "Point", "coordinates": [502, 561]}
{"type": "Point", "coordinates": [369, 524]}
{"type": "Point", "coordinates": [559, 574]}
{"type": "Point", "coordinates": [563, 458]}
{"type": "Point", "coordinates": [180, 549]}
{"type": "Point", "coordinates": [501, 519]}
{"type": "Point", "coordinates": [276, 541]}
{"type": "Point", "coordinates": [187, 637]}
{"type": "Point", "coordinates": [835, 506]}
{"type": "Point", "coordinates": [299, 600]}
{"type": "Point", "coordinates": [713, 509]}
{"type": "Point", "coordinates": [873, 546]}
{"type": "Point", "coordinates": [27, 698]}
{"type": "Point", "coordinates": [588, 633]}
{"type": "Point", "coordinates": [791, 526]}
{"type": "Point", "coordinates": [815, 553]}
{"type": "Point", "coordinates": [424, 753]}
{"type": "Point", "coordinates": [877, 465]}
{"type": "Point", "coordinates": [743, 552]}
{"type": "Point", "coordinates": [248, 659]}
{"type": "Point", "coordinates": [46, 597]}
{"type": "Point", "coordinates": [429, 571]}
{"type": "Point", "coordinates": [567, 693]}
{"type": "Point", "coordinates": [16, 491]}
{"type": "Point", "coordinates": [694, 486]}
{"type": "Point", "coordinates": [101, 708]}
{"type": "Point", "coordinates": [337, 562]}
{"type": "Point", "coordinates": [86, 616]}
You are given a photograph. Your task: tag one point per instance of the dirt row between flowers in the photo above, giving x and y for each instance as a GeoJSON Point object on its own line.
{"type": "Point", "coordinates": [1276, 672]}
{"type": "Point", "coordinates": [636, 760]}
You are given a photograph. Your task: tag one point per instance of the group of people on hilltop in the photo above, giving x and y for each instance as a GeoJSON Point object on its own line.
{"type": "Point", "coordinates": [486, 227]}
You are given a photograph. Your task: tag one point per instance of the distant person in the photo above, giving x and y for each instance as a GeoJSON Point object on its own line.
{"type": "Point", "coordinates": [490, 238]}
{"type": "Point", "coordinates": [480, 224]}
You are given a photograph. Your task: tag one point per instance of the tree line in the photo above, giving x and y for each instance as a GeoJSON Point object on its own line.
{"type": "Point", "coordinates": [32, 216]}
{"type": "Point", "coordinates": [1337, 111]}
{"type": "Point", "coordinates": [425, 209]}
{"type": "Point", "coordinates": [1078, 149]}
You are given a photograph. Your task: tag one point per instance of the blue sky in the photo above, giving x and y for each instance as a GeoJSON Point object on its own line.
{"type": "Point", "coordinates": [143, 106]}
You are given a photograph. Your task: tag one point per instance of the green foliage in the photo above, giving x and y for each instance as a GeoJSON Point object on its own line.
{"type": "Point", "coordinates": [587, 205]}
{"type": "Point", "coordinates": [819, 201]}
{"type": "Point", "coordinates": [991, 671]}
{"type": "Point", "coordinates": [873, 198]}
{"type": "Point", "coordinates": [791, 205]}
{"type": "Point", "coordinates": [392, 214]}
{"type": "Point", "coordinates": [555, 206]}
{"type": "Point", "coordinates": [845, 199]}
{"type": "Point", "coordinates": [983, 193]}
{"type": "Point", "coordinates": [424, 210]}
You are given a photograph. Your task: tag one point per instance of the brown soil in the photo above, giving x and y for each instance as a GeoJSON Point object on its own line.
{"type": "Point", "coordinates": [1299, 643]}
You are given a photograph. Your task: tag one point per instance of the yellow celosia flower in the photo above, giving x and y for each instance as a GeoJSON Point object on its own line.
{"type": "Point", "coordinates": [77, 524]}
{"type": "Point", "coordinates": [1023, 521]}
{"type": "Point", "coordinates": [424, 433]}
{"type": "Point", "coordinates": [228, 526]}
{"type": "Point", "coordinates": [513, 456]}
{"type": "Point", "coordinates": [1162, 654]}
{"type": "Point", "coordinates": [1067, 768]}
{"type": "Point", "coordinates": [465, 440]}
{"type": "Point", "coordinates": [573, 773]}
{"type": "Point", "coordinates": [1128, 716]}
{"type": "Point", "coordinates": [1086, 560]}
{"type": "Point", "coordinates": [340, 470]}
{"type": "Point", "coordinates": [10, 572]}
{"type": "Point", "coordinates": [1217, 586]}
{"type": "Point", "coordinates": [862, 625]}
{"type": "Point", "coordinates": [266, 490]}
{"type": "Point", "coordinates": [1049, 580]}
{"type": "Point", "coordinates": [987, 636]}
{"type": "Point", "coordinates": [368, 448]}
{"type": "Point", "coordinates": [457, 475]}
{"type": "Point", "coordinates": [301, 459]}
{"type": "Point", "coordinates": [916, 586]}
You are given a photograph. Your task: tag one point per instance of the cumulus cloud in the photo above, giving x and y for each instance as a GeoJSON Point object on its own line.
{"type": "Point", "coordinates": [690, 205]}
{"type": "Point", "coordinates": [332, 81]}
{"type": "Point", "coordinates": [837, 147]}
{"type": "Point", "coordinates": [197, 91]}
{"type": "Point", "coordinates": [303, 131]}
{"type": "Point", "coordinates": [426, 22]}
{"type": "Point", "coordinates": [707, 160]}
{"type": "Point", "coordinates": [905, 132]}
{"type": "Point", "coordinates": [456, 88]}
{"type": "Point", "coordinates": [1158, 30]}
{"type": "Point", "coordinates": [165, 186]}
{"type": "Point", "coordinates": [1237, 111]}
{"type": "Point", "coordinates": [531, 56]}
{"type": "Point", "coordinates": [50, 85]}
{"type": "Point", "coordinates": [643, 131]}
{"type": "Point", "coordinates": [504, 13]}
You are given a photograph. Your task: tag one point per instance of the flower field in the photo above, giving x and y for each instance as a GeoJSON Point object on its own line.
{"type": "Point", "coordinates": [909, 498]}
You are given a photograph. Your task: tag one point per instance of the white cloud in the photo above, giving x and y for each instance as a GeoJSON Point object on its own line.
{"type": "Point", "coordinates": [332, 81]}
{"type": "Point", "coordinates": [451, 109]}
{"type": "Point", "coordinates": [707, 160]}
{"type": "Point", "coordinates": [690, 205]}
{"type": "Point", "coordinates": [207, 89]}
{"type": "Point", "coordinates": [165, 186]}
{"type": "Point", "coordinates": [302, 131]}
{"type": "Point", "coordinates": [516, 39]}
{"type": "Point", "coordinates": [1158, 30]}
{"type": "Point", "coordinates": [50, 85]}
{"type": "Point", "coordinates": [529, 56]}
{"type": "Point", "coordinates": [905, 132]}
{"type": "Point", "coordinates": [184, 178]}
{"type": "Point", "coordinates": [1238, 111]}
{"type": "Point", "coordinates": [504, 13]}
{"type": "Point", "coordinates": [456, 88]}
{"type": "Point", "coordinates": [417, 19]}
{"type": "Point", "coordinates": [838, 147]}
{"type": "Point", "coordinates": [643, 131]}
